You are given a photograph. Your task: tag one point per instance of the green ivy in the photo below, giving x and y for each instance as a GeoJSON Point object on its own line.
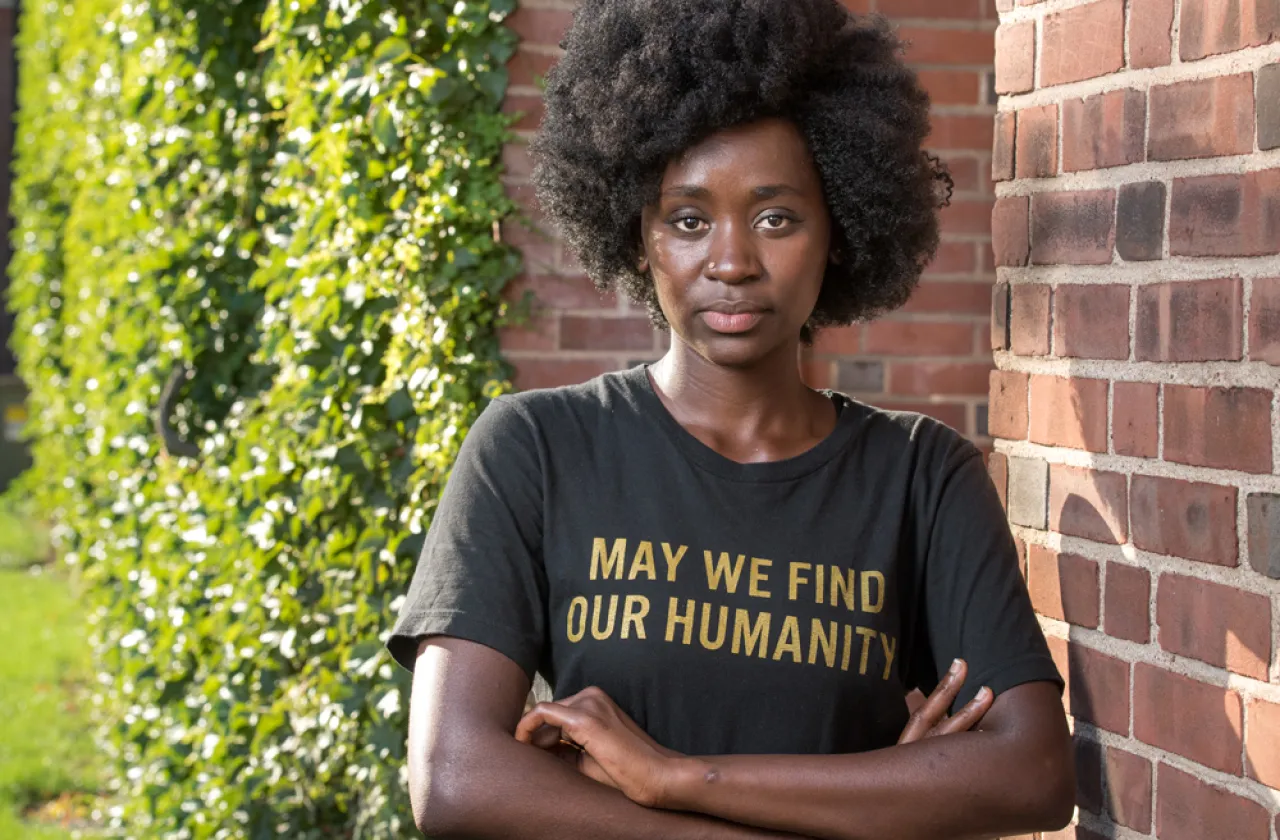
{"type": "Point", "coordinates": [284, 211]}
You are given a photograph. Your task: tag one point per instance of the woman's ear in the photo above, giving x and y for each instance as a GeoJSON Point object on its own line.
{"type": "Point", "coordinates": [642, 264]}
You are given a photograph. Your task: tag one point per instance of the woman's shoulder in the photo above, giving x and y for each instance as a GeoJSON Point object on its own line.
{"type": "Point", "coordinates": [925, 440]}
{"type": "Point", "coordinates": [610, 396]}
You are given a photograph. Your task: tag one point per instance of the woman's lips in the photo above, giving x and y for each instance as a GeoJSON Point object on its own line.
{"type": "Point", "coordinates": [731, 323]}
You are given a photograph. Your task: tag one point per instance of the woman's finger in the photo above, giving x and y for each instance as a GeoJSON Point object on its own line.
{"type": "Point", "coordinates": [546, 737]}
{"type": "Point", "coordinates": [936, 706]}
{"type": "Point", "coordinates": [968, 717]}
{"type": "Point", "coordinates": [569, 721]}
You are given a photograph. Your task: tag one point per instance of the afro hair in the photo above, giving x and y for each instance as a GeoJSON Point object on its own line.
{"type": "Point", "coordinates": [643, 80]}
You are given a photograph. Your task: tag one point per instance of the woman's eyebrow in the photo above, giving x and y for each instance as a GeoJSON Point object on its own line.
{"type": "Point", "coordinates": [762, 193]}
{"type": "Point", "coordinates": [687, 191]}
{"type": "Point", "coordinates": [774, 190]}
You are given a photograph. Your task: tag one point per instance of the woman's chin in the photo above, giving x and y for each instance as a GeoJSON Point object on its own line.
{"type": "Point", "coordinates": [742, 350]}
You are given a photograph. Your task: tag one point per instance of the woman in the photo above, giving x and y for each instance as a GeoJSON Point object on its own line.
{"type": "Point", "coordinates": [731, 580]}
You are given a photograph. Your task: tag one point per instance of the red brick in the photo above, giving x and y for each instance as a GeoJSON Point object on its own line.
{"type": "Point", "coordinates": [856, 376]}
{"type": "Point", "coordinates": [1140, 218]}
{"type": "Point", "coordinates": [597, 333]}
{"type": "Point", "coordinates": [1268, 99]}
{"type": "Point", "coordinates": [960, 131]}
{"type": "Point", "coordinates": [1064, 586]}
{"type": "Point", "coordinates": [1010, 237]}
{"type": "Point", "coordinates": [1001, 296]}
{"type": "Point", "coordinates": [1069, 412]}
{"type": "Point", "coordinates": [816, 373]}
{"type": "Point", "coordinates": [838, 341]}
{"type": "Point", "coordinates": [1228, 428]}
{"type": "Point", "coordinates": [1091, 322]}
{"type": "Point", "coordinates": [1083, 42]}
{"type": "Point", "coordinates": [1074, 228]}
{"type": "Point", "coordinates": [1088, 504]}
{"type": "Point", "coordinates": [1211, 27]}
{"type": "Point", "coordinates": [1128, 603]}
{"type": "Point", "coordinates": [932, 45]}
{"type": "Point", "coordinates": [1058, 650]}
{"type": "Point", "coordinates": [1185, 519]}
{"type": "Point", "coordinates": [1202, 118]}
{"type": "Point", "coordinates": [1127, 780]}
{"type": "Point", "coordinates": [1103, 130]}
{"type": "Point", "coordinates": [1264, 321]}
{"type": "Point", "coordinates": [918, 338]}
{"type": "Point", "coordinates": [953, 258]}
{"type": "Point", "coordinates": [1015, 57]}
{"type": "Point", "coordinates": [964, 168]}
{"type": "Point", "coordinates": [998, 468]}
{"type": "Point", "coordinates": [929, 378]}
{"type": "Point", "coordinates": [1135, 419]}
{"type": "Point", "coordinates": [931, 9]}
{"type": "Point", "coordinates": [527, 66]}
{"type": "Point", "coordinates": [1262, 747]}
{"type": "Point", "coordinates": [1190, 809]}
{"type": "Point", "coordinates": [540, 26]}
{"type": "Point", "coordinates": [1037, 142]}
{"type": "Point", "coordinates": [968, 217]}
{"type": "Point", "coordinates": [529, 109]}
{"type": "Point", "coordinates": [535, 244]}
{"type": "Point", "coordinates": [559, 292]}
{"type": "Point", "coordinates": [538, 333]}
{"type": "Point", "coordinates": [550, 373]}
{"type": "Point", "coordinates": [1002, 160]}
{"type": "Point", "coordinates": [951, 298]}
{"type": "Point", "coordinates": [1226, 215]}
{"type": "Point", "coordinates": [1214, 738]}
{"type": "Point", "coordinates": [1071, 832]}
{"type": "Point", "coordinates": [1191, 322]}
{"type": "Point", "coordinates": [1150, 33]}
{"type": "Point", "coordinates": [1089, 786]}
{"type": "Point", "coordinates": [1099, 688]}
{"type": "Point", "coordinates": [1029, 316]}
{"type": "Point", "coordinates": [1008, 396]}
{"type": "Point", "coordinates": [516, 162]}
{"type": "Point", "coordinates": [1217, 624]}
{"type": "Point", "coordinates": [952, 87]}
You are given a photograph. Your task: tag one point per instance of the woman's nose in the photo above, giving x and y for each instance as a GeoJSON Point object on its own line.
{"type": "Point", "coordinates": [732, 257]}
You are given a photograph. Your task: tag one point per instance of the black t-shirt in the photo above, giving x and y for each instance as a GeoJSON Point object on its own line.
{"type": "Point", "coordinates": [783, 607]}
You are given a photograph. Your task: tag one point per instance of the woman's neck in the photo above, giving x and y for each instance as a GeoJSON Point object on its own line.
{"type": "Point", "coordinates": [763, 412]}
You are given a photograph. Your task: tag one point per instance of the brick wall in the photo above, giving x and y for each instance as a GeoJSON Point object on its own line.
{"type": "Point", "coordinates": [933, 356]}
{"type": "Point", "coordinates": [1137, 326]}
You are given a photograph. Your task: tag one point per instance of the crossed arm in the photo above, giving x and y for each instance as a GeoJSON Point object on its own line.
{"type": "Point", "coordinates": [469, 778]}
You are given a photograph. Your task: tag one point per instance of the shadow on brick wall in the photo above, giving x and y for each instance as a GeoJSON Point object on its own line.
{"type": "Point", "coordinates": [1112, 696]}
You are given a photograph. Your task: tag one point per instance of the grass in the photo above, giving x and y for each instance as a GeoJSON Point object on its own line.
{"type": "Point", "coordinates": [47, 759]}
{"type": "Point", "coordinates": [21, 544]}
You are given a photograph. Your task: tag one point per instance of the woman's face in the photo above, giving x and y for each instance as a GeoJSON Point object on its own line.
{"type": "Point", "coordinates": [738, 242]}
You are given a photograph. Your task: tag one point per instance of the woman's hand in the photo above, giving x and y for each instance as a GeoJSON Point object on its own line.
{"type": "Point", "coordinates": [606, 745]}
{"type": "Point", "coordinates": [930, 718]}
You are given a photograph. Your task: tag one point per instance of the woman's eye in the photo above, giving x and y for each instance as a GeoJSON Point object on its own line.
{"type": "Point", "coordinates": [774, 221]}
{"type": "Point", "coordinates": [689, 224]}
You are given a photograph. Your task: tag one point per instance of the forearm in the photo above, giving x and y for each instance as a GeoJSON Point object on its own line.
{"type": "Point", "coordinates": [505, 790]}
{"type": "Point", "coordinates": [969, 785]}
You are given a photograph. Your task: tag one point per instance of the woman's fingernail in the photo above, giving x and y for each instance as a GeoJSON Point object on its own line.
{"type": "Point", "coordinates": [985, 692]}
{"type": "Point", "coordinates": [955, 667]}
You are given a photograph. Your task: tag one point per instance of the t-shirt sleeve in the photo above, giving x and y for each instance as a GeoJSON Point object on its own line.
{"type": "Point", "coordinates": [975, 602]}
{"type": "Point", "coordinates": [480, 575]}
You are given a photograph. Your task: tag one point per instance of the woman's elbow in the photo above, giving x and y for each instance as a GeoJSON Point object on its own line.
{"type": "Point", "coordinates": [439, 800]}
{"type": "Point", "coordinates": [1053, 794]}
